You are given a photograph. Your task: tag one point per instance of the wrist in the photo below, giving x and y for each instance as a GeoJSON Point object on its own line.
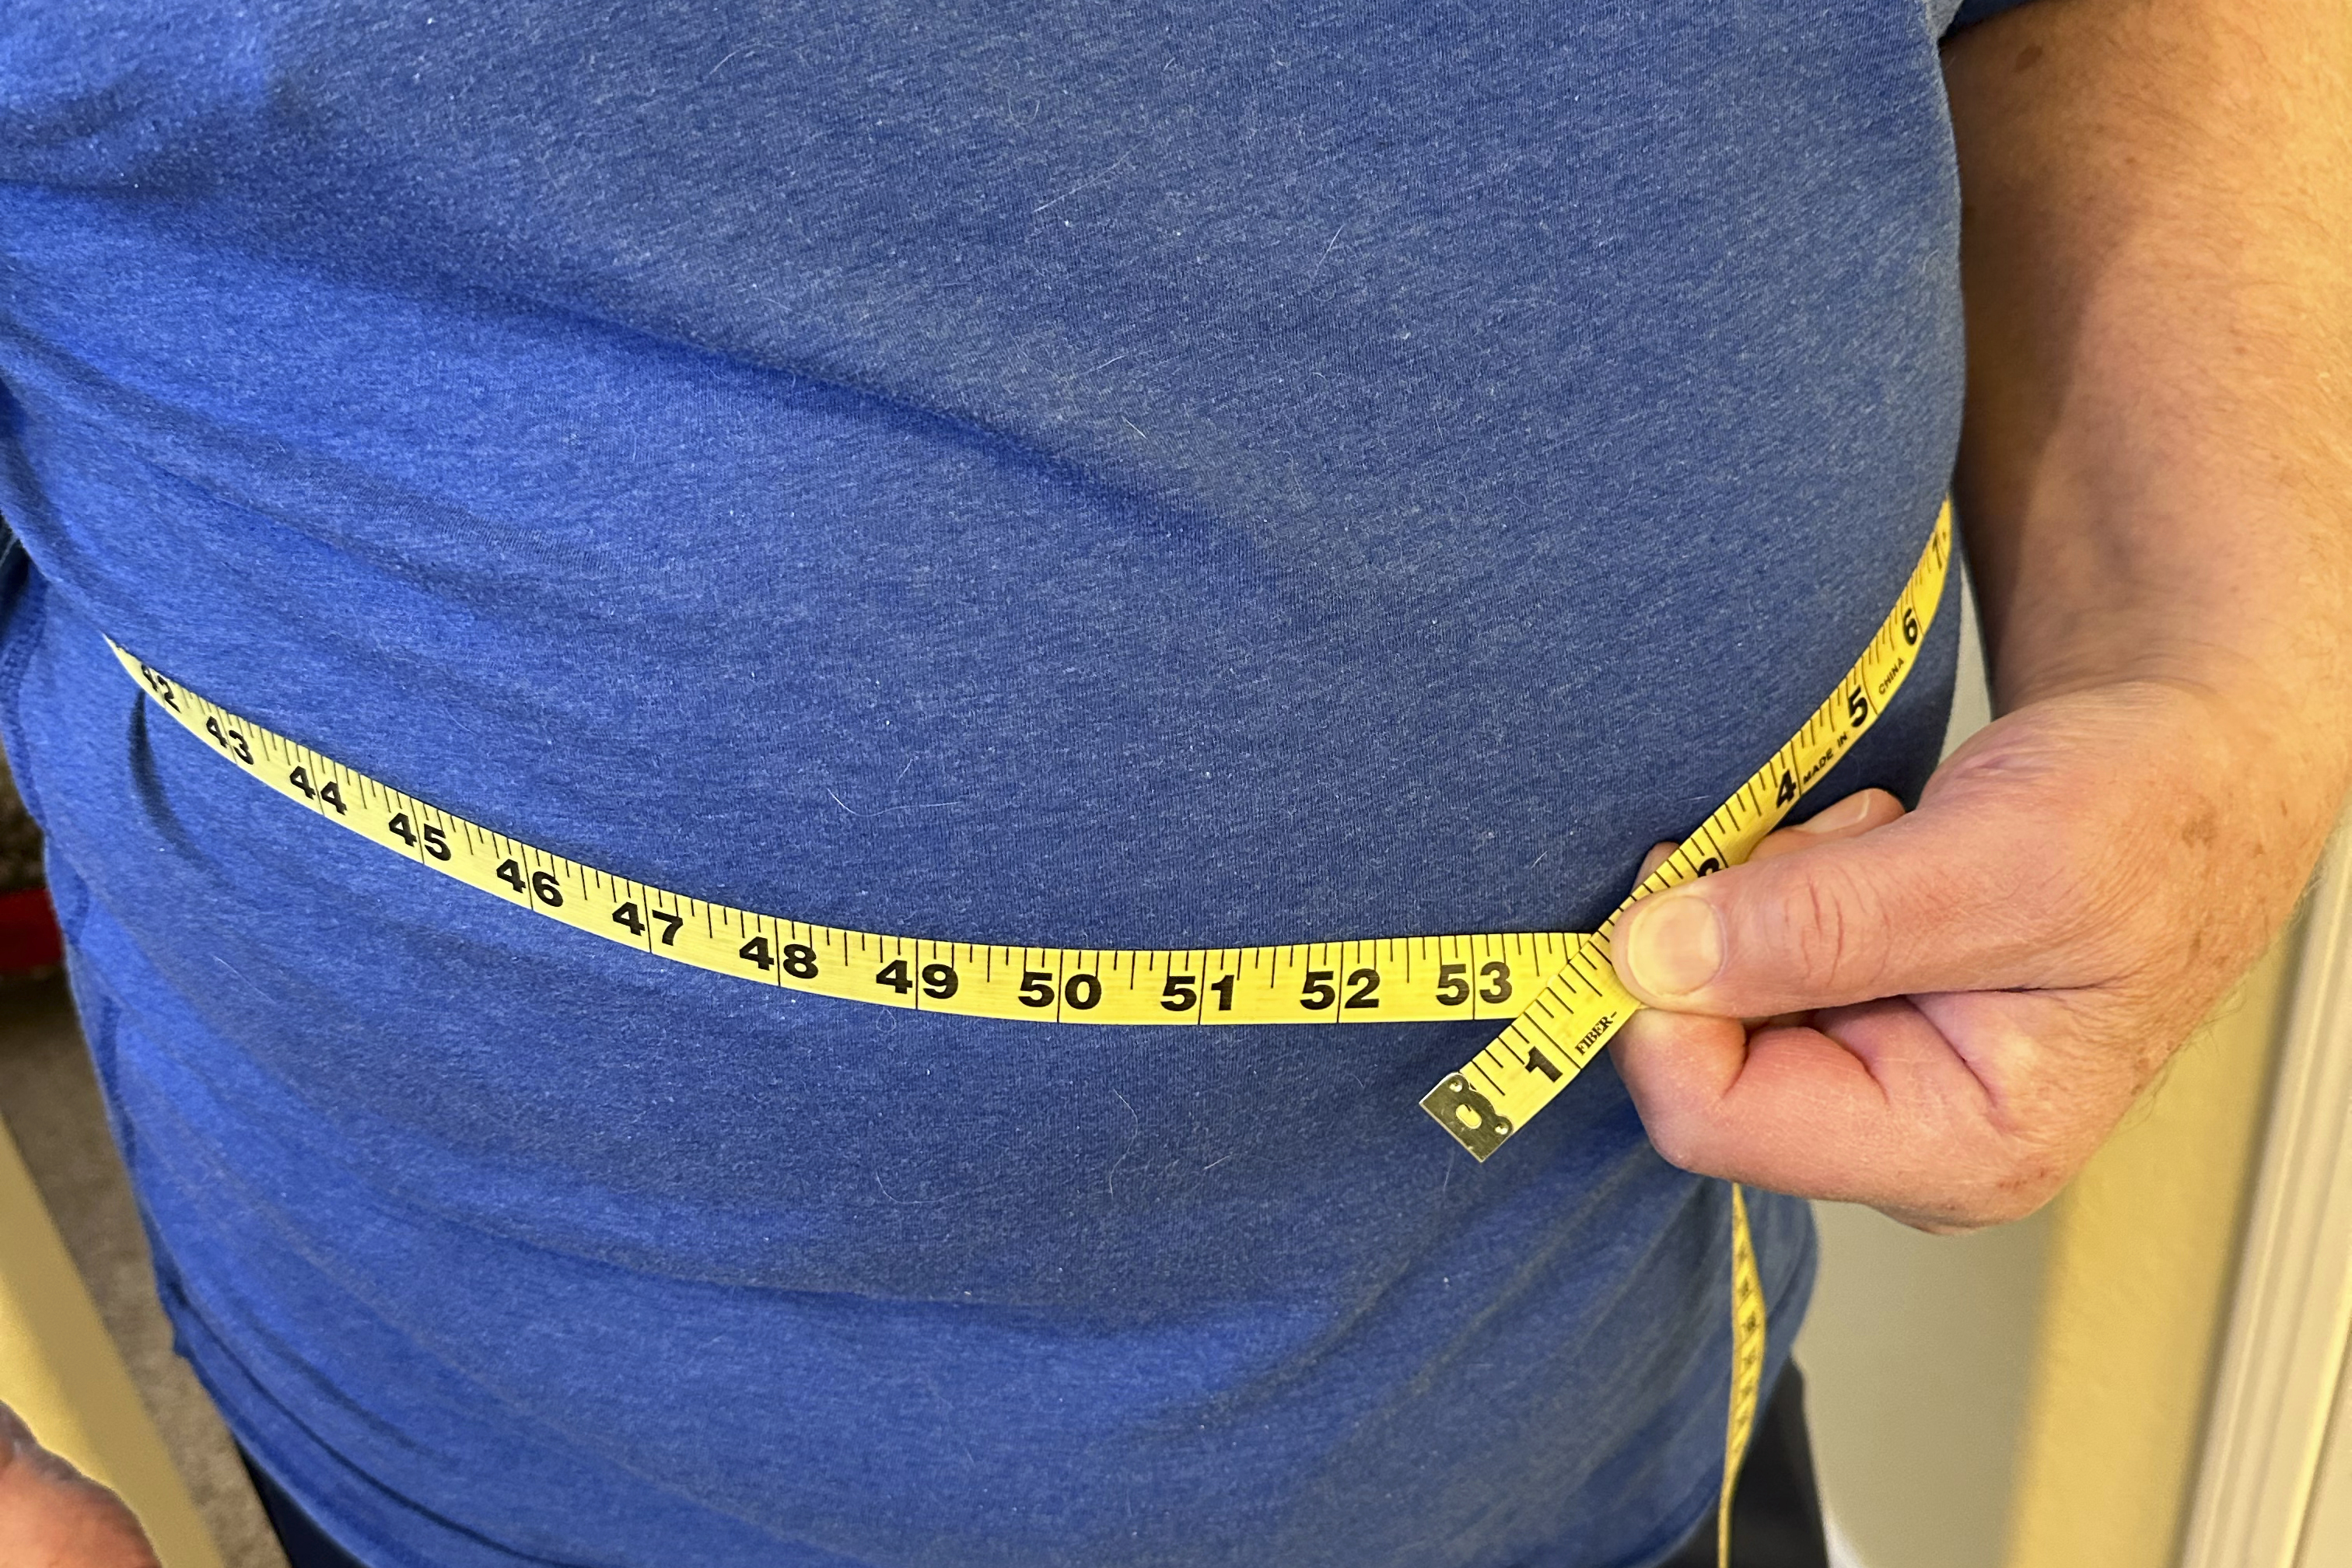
{"type": "Point", "coordinates": [2231, 595]}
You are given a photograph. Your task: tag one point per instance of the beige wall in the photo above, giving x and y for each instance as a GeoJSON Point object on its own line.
{"type": "Point", "coordinates": [61, 1373]}
{"type": "Point", "coordinates": [2034, 1396]}
{"type": "Point", "coordinates": [2143, 1256]}
{"type": "Point", "coordinates": [1917, 1357]}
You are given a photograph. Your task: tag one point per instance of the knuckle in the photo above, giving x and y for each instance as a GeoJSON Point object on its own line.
{"type": "Point", "coordinates": [1826, 935]}
{"type": "Point", "coordinates": [1676, 1135]}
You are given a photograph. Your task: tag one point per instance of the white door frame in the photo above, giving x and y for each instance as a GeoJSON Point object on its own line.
{"type": "Point", "coordinates": [2284, 1356]}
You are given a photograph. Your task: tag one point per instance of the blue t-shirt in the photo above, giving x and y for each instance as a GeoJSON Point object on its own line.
{"type": "Point", "coordinates": [1089, 475]}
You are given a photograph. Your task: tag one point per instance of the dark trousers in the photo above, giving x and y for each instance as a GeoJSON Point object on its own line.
{"type": "Point", "coordinates": [1776, 1515]}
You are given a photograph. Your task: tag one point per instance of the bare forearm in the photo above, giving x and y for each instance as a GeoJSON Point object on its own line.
{"type": "Point", "coordinates": [2156, 464]}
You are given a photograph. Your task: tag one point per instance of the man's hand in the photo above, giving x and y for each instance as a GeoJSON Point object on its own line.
{"type": "Point", "coordinates": [52, 1516]}
{"type": "Point", "coordinates": [1950, 1010]}
{"type": "Point", "coordinates": [1984, 984]}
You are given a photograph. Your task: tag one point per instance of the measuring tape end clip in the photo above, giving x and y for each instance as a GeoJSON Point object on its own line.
{"type": "Point", "coordinates": [1468, 1115]}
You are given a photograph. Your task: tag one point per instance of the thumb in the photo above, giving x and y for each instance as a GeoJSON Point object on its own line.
{"type": "Point", "coordinates": [1930, 902]}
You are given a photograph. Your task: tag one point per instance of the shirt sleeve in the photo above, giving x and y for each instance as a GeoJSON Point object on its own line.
{"type": "Point", "coordinates": [1974, 11]}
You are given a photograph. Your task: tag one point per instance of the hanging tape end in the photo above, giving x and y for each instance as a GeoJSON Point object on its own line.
{"type": "Point", "coordinates": [1468, 1115]}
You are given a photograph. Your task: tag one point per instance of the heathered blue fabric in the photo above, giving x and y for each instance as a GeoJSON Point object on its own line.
{"type": "Point", "coordinates": [1083, 475]}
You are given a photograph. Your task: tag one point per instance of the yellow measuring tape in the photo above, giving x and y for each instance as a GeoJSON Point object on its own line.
{"type": "Point", "coordinates": [1558, 990]}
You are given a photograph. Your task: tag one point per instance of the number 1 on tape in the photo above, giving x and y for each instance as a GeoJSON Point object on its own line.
{"type": "Point", "coordinates": [1564, 1025]}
